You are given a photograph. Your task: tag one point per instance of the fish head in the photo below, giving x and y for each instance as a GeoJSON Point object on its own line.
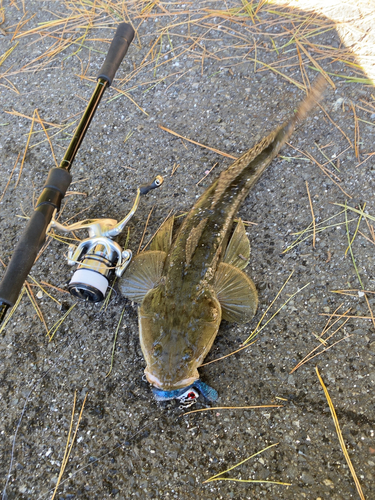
{"type": "Point", "coordinates": [175, 337]}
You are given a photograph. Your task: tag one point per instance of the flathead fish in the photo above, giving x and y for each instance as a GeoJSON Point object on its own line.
{"type": "Point", "coordinates": [185, 285]}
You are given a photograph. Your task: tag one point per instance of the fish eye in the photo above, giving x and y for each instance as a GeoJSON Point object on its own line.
{"type": "Point", "coordinates": [187, 354]}
{"type": "Point", "coordinates": [157, 350]}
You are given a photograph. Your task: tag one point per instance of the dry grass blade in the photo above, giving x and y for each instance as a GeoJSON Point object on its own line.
{"type": "Point", "coordinates": [156, 232]}
{"type": "Point", "coordinates": [10, 177]}
{"type": "Point", "coordinates": [208, 173]}
{"type": "Point", "coordinates": [346, 316]}
{"type": "Point", "coordinates": [145, 229]}
{"type": "Point", "coordinates": [114, 342]}
{"type": "Point", "coordinates": [308, 229]}
{"type": "Point", "coordinates": [230, 354]}
{"type": "Point", "coordinates": [339, 435]}
{"type": "Point", "coordinates": [230, 408]}
{"type": "Point", "coordinates": [35, 305]}
{"type": "Point", "coordinates": [288, 78]}
{"type": "Point", "coordinates": [322, 168]}
{"type": "Point", "coordinates": [356, 132]}
{"type": "Point", "coordinates": [355, 210]}
{"type": "Point", "coordinates": [7, 53]}
{"type": "Point", "coordinates": [16, 113]}
{"type": "Point", "coordinates": [45, 291]}
{"type": "Point", "coordinates": [48, 139]}
{"type": "Point", "coordinates": [26, 148]}
{"type": "Point", "coordinates": [315, 63]}
{"type": "Point", "coordinates": [312, 213]}
{"type": "Point", "coordinates": [68, 447]}
{"type": "Point", "coordinates": [109, 295]}
{"type": "Point", "coordinates": [357, 228]}
{"type": "Point", "coordinates": [13, 310]}
{"type": "Point", "coordinates": [350, 247]}
{"type": "Point", "coordinates": [335, 124]}
{"type": "Point", "coordinates": [197, 143]}
{"type": "Point", "coordinates": [311, 354]}
{"type": "Point", "coordinates": [217, 478]}
{"type": "Point", "coordinates": [327, 158]}
{"type": "Point", "coordinates": [257, 330]}
{"type": "Point", "coordinates": [55, 287]}
{"type": "Point", "coordinates": [126, 94]}
{"type": "Point", "coordinates": [369, 307]}
{"type": "Point", "coordinates": [58, 323]}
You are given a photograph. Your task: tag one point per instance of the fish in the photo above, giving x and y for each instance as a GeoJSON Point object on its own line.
{"type": "Point", "coordinates": [186, 284]}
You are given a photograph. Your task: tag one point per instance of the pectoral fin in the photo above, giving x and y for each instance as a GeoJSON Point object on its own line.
{"type": "Point", "coordinates": [163, 238]}
{"type": "Point", "coordinates": [144, 273]}
{"type": "Point", "coordinates": [236, 293]}
{"type": "Point", "coordinates": [238, 249]}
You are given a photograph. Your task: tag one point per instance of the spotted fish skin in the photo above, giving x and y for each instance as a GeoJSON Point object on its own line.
{"type": "Point", "coordinates": [185, 287]}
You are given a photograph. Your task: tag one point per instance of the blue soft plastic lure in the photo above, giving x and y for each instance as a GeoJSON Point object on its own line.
{"type": "Point", "coordinates": [187, 394]}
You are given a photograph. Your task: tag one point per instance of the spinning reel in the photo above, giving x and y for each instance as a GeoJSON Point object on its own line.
{"type": "Point", "coordinates": [98, 255]}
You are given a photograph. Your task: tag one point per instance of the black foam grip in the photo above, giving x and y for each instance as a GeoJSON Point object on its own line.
{"type": "Point", "coordinates": [58, 178]}
{"type": "Point", "coordinates": [25, 253]}
{"type": "Point", "coordinates": [116, 53]}
{"type": "Point", "coordinates": [54, 190]}
{"type": "Point", "coordinates": [28, 246]}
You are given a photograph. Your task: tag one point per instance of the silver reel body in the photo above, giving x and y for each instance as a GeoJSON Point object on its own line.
{"type": "Point", "coordinates": [99, 255]}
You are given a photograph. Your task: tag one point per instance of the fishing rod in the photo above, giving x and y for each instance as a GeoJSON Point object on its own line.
{"type": "Point", "coordinates": [98, 254]}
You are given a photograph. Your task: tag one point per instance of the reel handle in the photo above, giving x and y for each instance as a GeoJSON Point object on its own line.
{"type": "Point", "coordinates": [116, 53]}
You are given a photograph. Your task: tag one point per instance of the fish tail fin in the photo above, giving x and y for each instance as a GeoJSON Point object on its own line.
{"type": "Point", "coordinates": [312, 98]}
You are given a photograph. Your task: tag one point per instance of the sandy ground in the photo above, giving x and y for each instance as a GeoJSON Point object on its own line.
{"type": "Point", "coordinates": [223, 75]}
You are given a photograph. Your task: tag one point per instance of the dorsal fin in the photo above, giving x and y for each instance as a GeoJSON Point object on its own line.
{"type": "Point", "coordinates": [236, 293]}
{"type": "Point", "coordinates": [144, 273]}
{"type": "Point", "coordinates": [192, 241]}
{"type": "Point", "coordinates": [238, 249]}
{"type": "Point", "coordinates": [163, 238]}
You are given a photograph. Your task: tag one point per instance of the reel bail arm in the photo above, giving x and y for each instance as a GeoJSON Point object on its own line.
{"type": "Point", "coordinates": [98, 254]}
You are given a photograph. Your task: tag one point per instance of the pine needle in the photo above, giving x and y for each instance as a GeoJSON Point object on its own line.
{"type": "Point", "coordinates": [44, 291]}
{"type": "Point", "coordinates": [312, 212]}
{"type": "Point", "coordinates": [197, 143]}
{"type": "Point", "coordinates": [144, 231]}
{"type": "Point", "coordinates": [47, 136]}
{"type": "Point", "coordinates": [26, 148]}
{"type": "Point", "coordinates": [217, 478]}
{"type": "Point", "coordinates": [114, 342]}
{"type": "Point", "coordinates": [7, 53]}
{"type": "Point", "coordinates": [230, 354]}
{"type": "Point", "coordinates": [10, 177]}
{"type": "Point", "coordinates": [257, 329]}
{"type": "Point", "coordinates": [35, 305]}
{"type": "Point", "coordinates": [350, 247]}
{"type": "Point", "coordinates": [156, 232]}
{"type": "Point", "coordinates": [208, 173]}
{"type": "Point", "coordinates": [311, 354]}
{"type": "Point", "coordinates": [68, 447]}
{"type": "Point", "coordinates": [13, 310]}
{"type": "Point", "coordinates": [230, 408]}
{"type": "Point", "coordinates": [58, 323]}
{"type": "Point", "coordinates": [339, 435]}
{"type": "Point", "coordinates": [356, 230]}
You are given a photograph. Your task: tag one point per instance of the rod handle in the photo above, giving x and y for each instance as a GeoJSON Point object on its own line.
{"type": "Point", "coordinates": [116, 53]}
{"type": "Point", "coordinates": [33, 237]}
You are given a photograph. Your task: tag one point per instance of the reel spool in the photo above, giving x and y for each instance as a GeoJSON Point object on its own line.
{"type": "Point", "coordinates": [98, 255]}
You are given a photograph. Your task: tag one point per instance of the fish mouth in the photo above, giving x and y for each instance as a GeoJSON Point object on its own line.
{"type": "Point", "coordinates": [180, 385]}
